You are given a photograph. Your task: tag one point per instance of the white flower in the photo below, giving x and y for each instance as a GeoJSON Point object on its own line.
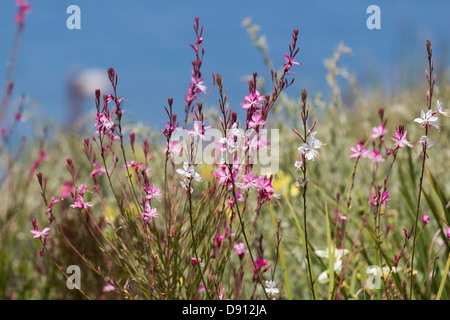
{"type": "Point", "coordinates": [439, 109]}
{"type": "Point", "coordinates": [385, 271]}
{"type": "Point", "coordinates": [424, 140]}
{"type": "Point", "coordinates": [323, 277]}
{"type": "Point", "coordinates": [185, 171]}
{"type": "Point", "coordinates": [427, 119]}
{"type": "Point", "coordinates": [298, 165]}
{"type": "Point", "coordinates": [338, 254]}
{"type": "Point", "coordinates": [308, 149]}
{"type": "Point", "coordinates": [185, 184]}
{"type": "Point", "coordinates": [235, 131]}
{"type": "Point", "coordinates": [189, 172]}
{"type": "Point", "coordinates": [271, 289]}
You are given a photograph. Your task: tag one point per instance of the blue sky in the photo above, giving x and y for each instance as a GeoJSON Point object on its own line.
{"type": "Point", "coordinates": [147, 43]}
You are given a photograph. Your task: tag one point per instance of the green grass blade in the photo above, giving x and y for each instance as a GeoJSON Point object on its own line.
{"type": "Point", "coordinates": [444, 278]}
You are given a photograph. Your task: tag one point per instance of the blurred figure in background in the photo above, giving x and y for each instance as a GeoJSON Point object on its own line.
{"type": "Point", "coordinates": [82, 84]}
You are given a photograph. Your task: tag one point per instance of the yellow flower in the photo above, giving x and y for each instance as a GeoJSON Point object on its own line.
{"type": "Point", "coordinates": [280, 181]}
{"type": "Point", "coordinates": [294, 192]}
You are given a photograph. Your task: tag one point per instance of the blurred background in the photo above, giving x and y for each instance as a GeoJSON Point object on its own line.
{"type": "Point", "coordinates": [147, 44]}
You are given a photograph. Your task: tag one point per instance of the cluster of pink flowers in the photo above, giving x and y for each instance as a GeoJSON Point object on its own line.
{"type": "Point", "coordinates": [24, 8]}
{"type": "Point", "coordinates": [105, 125]}
{"type": "Point", "coordinates": [79, 202]}
{"type": "Point", "coordinates": [151, 193]}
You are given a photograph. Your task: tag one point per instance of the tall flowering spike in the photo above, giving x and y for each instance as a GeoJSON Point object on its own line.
{"type": "Point", "coordinates": [196, 86]}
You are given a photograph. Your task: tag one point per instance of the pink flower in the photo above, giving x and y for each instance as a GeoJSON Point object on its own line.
{"type": "Point", "coordinates": [290, 62]}
{"type": "Point", "coordinates": [66, 189]}
{"type": "Point", "coordinates": [38, 234]}
{"type": "Point", "coordinates": [82, 189]}
{"type": "Point", "coordinates": [152, 192]}
{"type": "Point", "coordinates": [104, 124]}
{"type": "Point", "coordinates": [259, 264]}
{"type": "Point", "coordinates": [99, 169]}
{"type": "Point", "coordinates": [239, 197]}
{"type": "Point", "coordinates": [170, 128]}
{"type": "Point", "coordinates": [195, 261]}
{"type": "Point", "coordinates": [258, 141]}
{"type": "Point", "coordinates": [378, 132]}
{"type": "Point", "coordinates": [50, 206]}
{"type": "Point", "coordinates": [448, 232]}
{"type": "Point", "coordinates": [379, 200]}
{"type": "Point", "coordinates": [265, 188]}
{"type": "Point", "coordinates": [359, 151]}
{"type": "Point", "coordinates": [375, 156]}
{"type": "Point", "coordinates": [250, 180]}
{"type": "Point", "coordinates": [133, 164]}
{"type": "Point", "coordinates": [339, 217]}
{"type": "Point", "coordinates": [198, 85]}
{"type": "Point", "coordinates": [425, 219]}
{"type": "Point", "coordinates": [256, 121]}
{"type": "Point", "coordinates": [253, 100]}
{"type": "Point", "coordinates": [219, 239]}
{"type": "Point", "coordinates": [195, 88]}
{"type": "Point", "coordinates": [80, 204]}
{"type": "Point", "coordinates": [405, 231]}
{"type": "Point", "coordinates": [198, 130]}
{"type": "Point", "coordinates": [23, 10]}
{"type": "Point", "coordinates": [109, 288]}
{"type": "Point", "coordinates": [149, 214]}
{"type": "Point", "coordinates": [19, 117]}
{"type": "Point", "coordinates": [400, 138]}
{"type": "Point", "coordinates": [223, 175]}
{"type": "Point", "coordinates": [239, 247]}
{"type": "Point", "coordinates": [172, 149]}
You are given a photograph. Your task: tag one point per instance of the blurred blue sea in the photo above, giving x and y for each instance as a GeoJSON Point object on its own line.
{"type": "Point", "coordinates": [147, 44]}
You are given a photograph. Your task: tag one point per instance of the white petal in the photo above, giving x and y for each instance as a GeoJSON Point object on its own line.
{"type": "Point", "coordinates": [323, 277]}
